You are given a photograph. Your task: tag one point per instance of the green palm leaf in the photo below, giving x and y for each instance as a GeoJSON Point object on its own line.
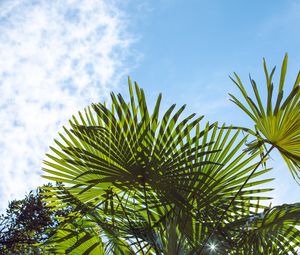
{"type": "Point", "coordinates": [273, 231]}
{"type": "Point", "coordinates": [77, 238]}
{"type": "Point", "coordinates": [278, 122]}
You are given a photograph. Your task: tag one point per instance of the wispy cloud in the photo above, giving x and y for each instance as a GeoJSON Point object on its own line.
{"type": "Point", "coordinates": [55, 58]}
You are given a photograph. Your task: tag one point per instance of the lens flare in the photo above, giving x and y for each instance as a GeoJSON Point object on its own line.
{"type": "Point", "coordinates": [212, 247]}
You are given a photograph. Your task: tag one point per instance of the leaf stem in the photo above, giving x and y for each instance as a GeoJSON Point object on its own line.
{"type": "Point", "coordinates": [129, 222]}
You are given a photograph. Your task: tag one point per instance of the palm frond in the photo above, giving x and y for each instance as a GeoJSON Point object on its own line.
{"type": "Point", "coordinates": [273, 231]}
{"type": "Point", "coordinates": [278, 121]}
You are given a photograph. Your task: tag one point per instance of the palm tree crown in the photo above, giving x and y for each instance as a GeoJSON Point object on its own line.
{"type": "Point", "coordinates": [138, 183]}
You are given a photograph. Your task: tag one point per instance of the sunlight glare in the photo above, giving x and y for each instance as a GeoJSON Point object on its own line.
{"type": "Point", "coordinates": [212, 247]}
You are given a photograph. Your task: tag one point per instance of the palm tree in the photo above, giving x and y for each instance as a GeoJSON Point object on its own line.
{"type": "Point", "coordinates": [136, 183]}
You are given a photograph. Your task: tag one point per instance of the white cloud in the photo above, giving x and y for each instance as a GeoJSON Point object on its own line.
{"type": "Point", "coordinates": [55, 58]}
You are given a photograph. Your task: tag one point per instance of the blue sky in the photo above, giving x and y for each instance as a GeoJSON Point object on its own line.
{"type": "Point", "coordinates": [55, 59]}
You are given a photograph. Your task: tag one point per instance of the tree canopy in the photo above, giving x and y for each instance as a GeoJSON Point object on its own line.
{"type": "Point", "coordinates": [27, 223]}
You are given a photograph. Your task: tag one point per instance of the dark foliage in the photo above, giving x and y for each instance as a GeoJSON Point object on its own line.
{"type": "Point", "coordinates": [26, 223]}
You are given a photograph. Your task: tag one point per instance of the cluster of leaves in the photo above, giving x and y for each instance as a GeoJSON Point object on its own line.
{"type": "Point", "coordinates": [27, 223]}
{"type": "Point", "coordinates": [139, 183]}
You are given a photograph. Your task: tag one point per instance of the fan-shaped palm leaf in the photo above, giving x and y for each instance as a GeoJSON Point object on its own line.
{"type": "Point", "coordinates": [273, 231]}
{"type": "Point", "coordinates": [278, 122]}
{"type": "Point", "coordinates": [78, 237]}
